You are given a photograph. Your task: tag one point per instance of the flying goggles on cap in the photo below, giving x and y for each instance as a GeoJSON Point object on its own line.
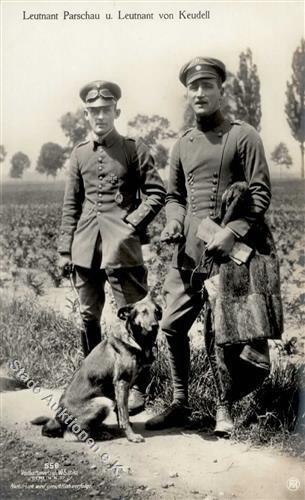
{"type": "Point", "coordinates": [100, 93]}
{"type": "Point", "coordinates": [95, 96]}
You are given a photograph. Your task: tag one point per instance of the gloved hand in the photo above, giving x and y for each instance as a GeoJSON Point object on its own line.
{"type": "Point", "coordinates": [172, 232]}
{"type": "Point", "coordinates": [65, 265]}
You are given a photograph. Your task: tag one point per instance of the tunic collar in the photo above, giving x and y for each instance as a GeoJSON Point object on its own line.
{"type": "Point", "coordinates": [210, 122]}
{"type": "Point", "coordinates": [106, 140]}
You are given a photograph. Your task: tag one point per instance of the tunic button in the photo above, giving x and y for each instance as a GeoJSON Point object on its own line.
{"type": "Point", "coordinates": [100, 177]}
{"type": "Point", "coordinates": [100, 159]}
{"type": "Point", "coordinates": [100, 186]}
{"type": "Point", "coordinates": [192, 197]}
{"type": "Point", "coordinates": [215, 174]}
{"type": "Point", "coordinates": [100, 167]}
{"type": "Point", "coordinates": [100, 195]}
{"type": "Point", "coordinates": [192, 190]}
{"type": "Point", "coordinates": [99, 203]}
{"type": "Point", "coordinates": [215, 181]}
{"type": "Point", "coordinates": [219, 134]}
{"type": "Point", "coordinates": [214, 190]}
{"type": "Point", "coordinates": [212, 205]}
{"type": "Point", "coordinates": [211, 212]}
{"type": "Point", "coordinates": [212, 197]}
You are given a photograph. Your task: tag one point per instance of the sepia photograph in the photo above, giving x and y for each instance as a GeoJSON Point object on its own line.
{"type": "Point", "coordinates": [152, 279]}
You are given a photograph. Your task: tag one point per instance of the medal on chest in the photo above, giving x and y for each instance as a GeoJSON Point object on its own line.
{"type": "Point", "coordinates": [119, 198]}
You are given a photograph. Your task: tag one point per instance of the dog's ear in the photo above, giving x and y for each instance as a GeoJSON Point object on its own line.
{"type": "Point", "coordinates": [125, 311]}
{"type": "Point", "coordinates": [158, 312]}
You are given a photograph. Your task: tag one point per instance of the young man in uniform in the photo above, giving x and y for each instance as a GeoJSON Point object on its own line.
{"type": "Point", "coordinates": [205, 161]}
{"type": "Point", "coordinates": [103, 216]}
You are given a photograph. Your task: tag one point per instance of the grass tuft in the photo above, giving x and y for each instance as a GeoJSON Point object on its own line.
{"type": "Point", "coordinates": [45, 343]}
{"type": "Point", "coordinates": [273, 414]}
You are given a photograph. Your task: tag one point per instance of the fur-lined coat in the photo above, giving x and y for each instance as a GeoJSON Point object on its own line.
{"type": "Point", "coordinates": [248, 302]}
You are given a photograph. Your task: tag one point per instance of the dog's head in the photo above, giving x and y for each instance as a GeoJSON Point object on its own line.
{"type": "Point", "coordinates": [142, 322]}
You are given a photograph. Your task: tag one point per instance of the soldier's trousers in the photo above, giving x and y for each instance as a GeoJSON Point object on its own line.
{"type": "Point", "coordinates": [128, 285]}
{"type": "Point", "coordinates": [233, 376]}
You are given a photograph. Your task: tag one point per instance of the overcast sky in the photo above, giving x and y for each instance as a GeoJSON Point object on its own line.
{"type": "Point", "coordinates": [45, 63]}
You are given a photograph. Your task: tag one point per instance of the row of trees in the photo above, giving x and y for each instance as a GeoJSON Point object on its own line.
{"type": "Point", "coordinates": [295, 99]}
{"type": "Point", "coordinates": [241, 101]}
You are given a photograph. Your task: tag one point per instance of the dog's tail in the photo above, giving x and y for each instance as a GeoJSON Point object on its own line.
{"type": "Point", "coordinates": [40, 420]}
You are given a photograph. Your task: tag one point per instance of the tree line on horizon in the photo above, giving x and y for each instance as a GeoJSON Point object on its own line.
{"type": "Point", "coordinates": [241, 101]}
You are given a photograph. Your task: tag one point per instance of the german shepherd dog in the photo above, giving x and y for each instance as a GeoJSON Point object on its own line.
{"type": "Point", "coordinates": [106, 375]}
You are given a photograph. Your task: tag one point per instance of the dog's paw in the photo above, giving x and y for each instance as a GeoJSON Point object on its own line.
{"type": "Point", "coordinates": [135, 438]}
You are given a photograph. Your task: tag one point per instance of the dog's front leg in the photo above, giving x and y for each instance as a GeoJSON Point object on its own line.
{"type": "Point", "coordinates": [121, 395]}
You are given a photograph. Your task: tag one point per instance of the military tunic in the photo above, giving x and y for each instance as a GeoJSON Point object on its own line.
{"type": "Point", "coordinates": [101, 197]}
{"type": "Point", "coordinates": [203, 165]}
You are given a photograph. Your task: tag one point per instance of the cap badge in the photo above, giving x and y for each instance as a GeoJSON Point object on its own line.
{"type": "Point", "coordinates": [198, 67]}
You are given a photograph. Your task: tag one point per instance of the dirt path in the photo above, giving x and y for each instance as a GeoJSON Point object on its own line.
{"type": "Point", "coordinates": [169, 465]}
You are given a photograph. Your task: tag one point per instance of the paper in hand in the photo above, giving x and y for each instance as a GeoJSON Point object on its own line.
{"type": "Point", "coordinates": [240, 252]}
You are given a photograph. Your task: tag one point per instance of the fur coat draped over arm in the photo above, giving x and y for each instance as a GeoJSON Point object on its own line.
{"type": "Point", "coordinates": [247, 305]}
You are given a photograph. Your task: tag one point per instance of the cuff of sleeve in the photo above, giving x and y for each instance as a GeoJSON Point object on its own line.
{"type": "Point", "coordinates": [234, 232]}
{"type": "Point", "coordinates": [175, 212]}
{"type": "Point", "coordinates": [239, 227]}
{"type": "Point", "coordinates": [140, 217]}
{"type": "Point", "coordinates": [64, 242]}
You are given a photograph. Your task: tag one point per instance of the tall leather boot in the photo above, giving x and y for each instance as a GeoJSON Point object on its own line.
{"type": "Point", "coordinates": [139, 392]}
{"type": "Point", "coordinates": [178, 412]}
{"type": "Point", "coordinates": [222, 380]}
{"type": "Point", "coordinates": [91, 336]}
{"type": "Point", "coordinates": [84, 343]}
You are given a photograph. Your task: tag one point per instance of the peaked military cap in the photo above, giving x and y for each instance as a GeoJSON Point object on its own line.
{"type": "Point", "coordinates": [99, 93]}
{"type": "Point", "coordinates": [202, 67]}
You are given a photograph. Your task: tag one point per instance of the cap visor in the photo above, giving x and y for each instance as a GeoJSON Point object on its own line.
{"type": "Point", "coordinates": [206, 75]}
{"type": "Point", "coordinates": [98, 103]}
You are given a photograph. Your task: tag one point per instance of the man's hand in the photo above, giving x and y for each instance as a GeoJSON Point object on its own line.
{"type": "Point", "coordinates": [221, 243]}
{"type": "Point", "coordinates": [65, 264]}
{"type": "Point", "coordinates": [172, 232]}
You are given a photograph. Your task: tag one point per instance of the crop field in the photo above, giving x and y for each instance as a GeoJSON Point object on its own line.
{"type": "Point", "coordinates": [31, 218]}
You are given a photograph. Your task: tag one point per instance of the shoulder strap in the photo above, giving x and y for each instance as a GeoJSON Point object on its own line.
{"type": "Point", "coordinates": [82, 143]}
{"type": "Point", "coordinates": [186, 131]}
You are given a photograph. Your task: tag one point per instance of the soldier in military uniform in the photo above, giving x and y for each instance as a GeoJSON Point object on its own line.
{"type": "Point", "coordinates": [205, 161]}
{"type": "Point", "coordinates": [103, 216]}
